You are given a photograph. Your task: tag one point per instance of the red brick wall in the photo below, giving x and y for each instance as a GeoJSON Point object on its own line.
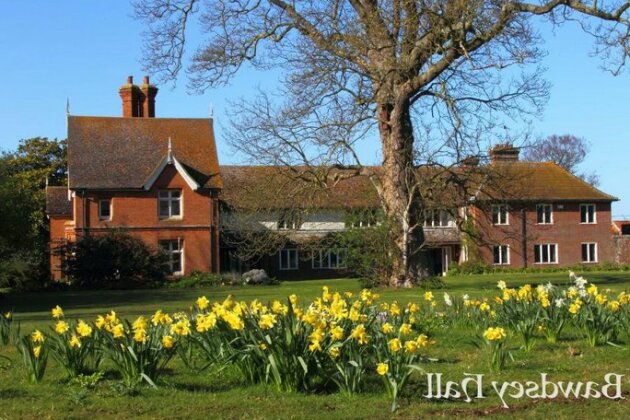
{"type": "Point", "coordinates": [58, 236]}
{"type": "Point", "coordinates": [566, 231]}
{"type": "Point", "coordinates": [623, 249]}
{"type": "Point", "coordinates": [137, 212]}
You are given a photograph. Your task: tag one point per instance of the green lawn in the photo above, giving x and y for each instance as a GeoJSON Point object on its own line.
{"type": "Point", "coordinates": [186, 394]}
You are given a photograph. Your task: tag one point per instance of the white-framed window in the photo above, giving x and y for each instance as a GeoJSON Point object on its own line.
{"type": "Point", "coordinates": [329, 259]}
{"type": "Point", "coordinates": [175, 252]}
{"type": "Point", "coordinates": [501, 254]}
{"type": "Point", "coordinates": [289, 220]}
{"type": "Point", "coordinates": [289, 259]}
{"type": "Point", "coordinates": [546, 254]}
{"type": "Point", "coordinates": [437, 218]}
{"type": "Point", "coordinates": [170, 204]}
{"type": "Point", "coordinates": [589, 252]}
{"type": "Point", "coordinates": [105, 209]}
{"type": "Point", "coordinates": [588, 214]}
{"type": "Point", "coordinates": [500, 214]}
{"type": "Point", "coordinates": [544, 214]}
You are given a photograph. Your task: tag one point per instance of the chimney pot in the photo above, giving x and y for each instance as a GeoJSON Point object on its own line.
{"type": "Point", "coordinates": [130, 80]}
{"type": "Point", "coordinates": [146, 80]}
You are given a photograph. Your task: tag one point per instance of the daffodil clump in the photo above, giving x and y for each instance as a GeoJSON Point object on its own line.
{"type": "Point", "coordinates": [34, 350]}
{"type": "Point", "coordinates": [72, 344]}
{"type": "Point", "coordinates": [141, 349]}
{"type": "Point", "coordinates": [495, 340]}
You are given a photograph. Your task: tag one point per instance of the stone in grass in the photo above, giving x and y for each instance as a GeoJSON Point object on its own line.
{"type": "Point", "coordinates": [257, 277]}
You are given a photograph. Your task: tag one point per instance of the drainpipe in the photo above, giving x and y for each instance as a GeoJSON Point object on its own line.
{"type": "Point", "coordinates": [84, 228]}
{"type": "Point", "coordinates": [524, 237]}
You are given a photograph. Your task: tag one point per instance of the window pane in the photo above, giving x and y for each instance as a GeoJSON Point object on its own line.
{"type": "Point", "coordinates": [552, 253]}
{"type": "Point", "coordinates": [497, 259]}
{"type": "Point", "coordinates": [583, 214]}
{"type": "Point", "coordinates": [537, 253]}
{"type": "Point", "coordinates": [584, 252]}
{"type": "Point", "coordinates": [591, 214]}
{"type": "Point", "coordinates": [333, 259]}
{"type": "Point", "coordinates": [293, 258]}
{"type": "Point", "coordinates": [164, 208]}
{"type": "Point", "coordinates": [593, 252]}
{"type": "Point", "coordinates": [175, 208]}
{"type": "Point", "coordinates": [504, 254]}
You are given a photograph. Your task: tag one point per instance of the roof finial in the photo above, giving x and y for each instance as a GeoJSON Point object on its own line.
{"type": "Point", "coordinates": [170, 151]}
{"type": "Point", "coordinates": [67, 106]}
{"type": "Point", "coordinates": [211, 110]}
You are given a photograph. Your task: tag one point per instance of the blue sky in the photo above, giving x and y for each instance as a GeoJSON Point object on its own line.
{"type": "Point", "coordinates": [83, 51]}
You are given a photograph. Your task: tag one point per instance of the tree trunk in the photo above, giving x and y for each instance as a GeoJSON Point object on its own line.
{"type": "Point", "coordinates": [402, 200]}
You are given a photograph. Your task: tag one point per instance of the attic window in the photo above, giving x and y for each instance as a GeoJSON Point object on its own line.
{"type": "Point", "coordinates": [170, 204]}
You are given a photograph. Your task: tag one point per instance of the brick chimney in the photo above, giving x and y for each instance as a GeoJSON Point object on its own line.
{"type": "Point", "coordinates": [130, 95]}
{"type": "Point", "coordinates": [504, 153]}
{"type": "Point", "coordinates": [138, 101]}
{"type": "Point", "coordinates": [149, 92]}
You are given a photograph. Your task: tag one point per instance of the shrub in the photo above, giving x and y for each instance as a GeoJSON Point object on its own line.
{"type": "Point", "coordinates": [196, 279]}
{"type": "Point", "coordinates": [116, 259]}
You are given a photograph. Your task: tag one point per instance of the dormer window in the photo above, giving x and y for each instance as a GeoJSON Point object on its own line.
{"type": "Point", "coordinates": [437, 218]}
{"type": "Point", "coordinates": [500, 215]}
{"type": "Point", "coordinates": [170, 204]}
{"type": "Point", "coordinates": [104, 209]}
{"type": "Point", "coordinates": [290, 220]}
{"type": "Point", "coordinates": [361, 218]}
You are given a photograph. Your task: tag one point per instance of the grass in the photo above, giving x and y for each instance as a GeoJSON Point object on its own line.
{"type": "Point", "coordinates": [186, 394]}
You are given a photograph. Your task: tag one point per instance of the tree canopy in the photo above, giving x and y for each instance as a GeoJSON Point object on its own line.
{"type": "Point", "coordinates": [435, 80]}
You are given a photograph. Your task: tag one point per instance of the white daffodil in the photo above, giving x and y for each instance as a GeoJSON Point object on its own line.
{"type": "Point", "coordinates": [447, 299]}
{"type": "Point", "coordinates": [559, 302]}
{"type": "Point", "coordinates": [580, 282]}
{"type": "Point", "coordinates": [501, 285]}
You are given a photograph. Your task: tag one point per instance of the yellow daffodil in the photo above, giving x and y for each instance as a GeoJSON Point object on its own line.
{"type": "Point", "coordinates": [394, 309]}
{"type": "Point", "coordinates": [37, 351]}
{"type": "Point", "coordinates": [411, 347]}
{"type": "Point", "coordinates": [181, 327]}
{"type": "Point", "coordinates": [405, 329]}
{"type": "Point", "coordinates": [600, 299]}
{"type": "Point", "coordinates": [83, 329]}
{"type": "Point", "coordinates": [203, 302]}
{"type": "Point", "coordinates": [100, 322]}
{"type": "Point", "coordinates": [423, 341]}
{"type": "Point", "coordinates": [74, 341]}
{"type": "Point", "coordinates": [37, 336]}
{"type": "Point", "coordinates": [613, 305]}
{"type": "Point", "coordinates": [574, 308]}
{"type": "Point", "coordinates": [61, 327]}
{"type": "Point", "coordinates": [428, 296]}
{"type": "Point", "coordinates": [57, 312]}
{"type": "Point", "coordinates": [394, 345]}
{"type": "Point", "coordinates": [336, 333]}
{"type": "Point", "coordinates": [168, 341]}
{"type": "Point", "coordinates": [484, 307]}
{"type": "Point", "coordinates": [8, 315]}
{"type": "Point", "coordinates": [359, 334]}
{"type": "Point", "coordinates": [140, 335]}
{"type": "Point", "coordinates": [293, 299]}
{"type": "Point", "coordinates": [267, 321]}
{"type": "Point", "coordinates": [494, 334]}
{"type": "Point", "coordinates": [387, 328]}
{"type": "Point", "coordinates": [382, 369]}
{"type": "Point", "coordinates": [118, 331]}
{"type": "Point", "coordinates": [334, 352]}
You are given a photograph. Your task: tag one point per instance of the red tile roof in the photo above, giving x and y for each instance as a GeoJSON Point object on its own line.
{"type": "Point", "coordinates": [122, 153]}
{"type": "Point", "coordinates": [57, 203]}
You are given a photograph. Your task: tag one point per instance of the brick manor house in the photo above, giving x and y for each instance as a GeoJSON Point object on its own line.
{"type": "Point", "coordinates": [160, 179]}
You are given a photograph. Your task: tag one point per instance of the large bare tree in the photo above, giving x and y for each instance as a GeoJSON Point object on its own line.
{"type": "Point", "coordinates": [430, 78]}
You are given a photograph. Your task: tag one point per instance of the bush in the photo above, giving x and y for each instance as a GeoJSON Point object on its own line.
{"type": "Point", "coordinates": [114, 260]}
{"type": "Point", "coordinates": [21, 271]}
{"type": "Point", "coordinates": [196, 279]}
